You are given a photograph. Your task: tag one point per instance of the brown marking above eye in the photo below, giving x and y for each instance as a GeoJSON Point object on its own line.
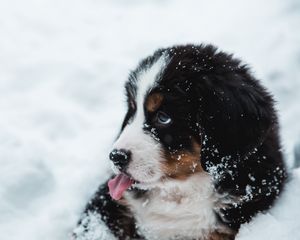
{"type": "Point", "coordinates": [182, 164]}
{"type": "Point", "coordinates": [153, 102]}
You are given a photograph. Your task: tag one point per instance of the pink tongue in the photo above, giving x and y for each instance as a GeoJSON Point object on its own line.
{"type": "Point", "coordinates": [118, 185]}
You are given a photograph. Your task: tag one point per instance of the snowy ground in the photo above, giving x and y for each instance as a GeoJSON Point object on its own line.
{"type": "Point", "coordinates": [62, 69]}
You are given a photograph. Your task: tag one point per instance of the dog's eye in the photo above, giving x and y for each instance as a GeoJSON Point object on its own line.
{"type": "Point", "coordinates": [163, 118]}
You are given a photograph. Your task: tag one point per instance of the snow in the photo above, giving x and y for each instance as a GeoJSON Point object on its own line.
{"type": "Point", "coordinates": [282, 221]}
{"type": "Point", "coordinates": [92, 228]}
{"type": "Point", "coordinates": [62, 69]}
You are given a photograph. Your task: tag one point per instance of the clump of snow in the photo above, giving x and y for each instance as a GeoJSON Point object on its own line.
{"type": "Point", "coordinates": [281, 221]}
{"type": "Point", "coordinates": [92, 228]}
{"type": "Point", "coordinates": [62, 69]}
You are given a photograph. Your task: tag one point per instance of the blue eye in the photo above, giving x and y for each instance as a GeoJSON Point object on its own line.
{"type": "Point", "coordinates": [163, 118]}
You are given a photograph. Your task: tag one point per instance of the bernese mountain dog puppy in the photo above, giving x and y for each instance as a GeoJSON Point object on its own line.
{"type": "Point", "coordinates": [198, 153]}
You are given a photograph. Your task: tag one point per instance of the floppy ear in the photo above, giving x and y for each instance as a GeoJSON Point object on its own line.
{"type": "Point", "coordinates": [235, 112]}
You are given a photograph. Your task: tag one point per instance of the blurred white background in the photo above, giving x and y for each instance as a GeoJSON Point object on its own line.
{"type": "Point", "coordinates": [62, 69]}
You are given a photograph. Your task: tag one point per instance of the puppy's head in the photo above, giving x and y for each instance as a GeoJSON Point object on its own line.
{"type": "Point", "coordinates": [187, 105]}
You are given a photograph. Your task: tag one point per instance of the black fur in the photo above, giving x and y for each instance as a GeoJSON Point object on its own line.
{"type": "Point", "coordinates": [219, 103]}
{"type": "Point", "coordinates": [237, 118]}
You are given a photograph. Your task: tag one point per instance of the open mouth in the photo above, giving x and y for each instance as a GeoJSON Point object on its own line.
{"type": "Point", "coordinates": [119, 184]}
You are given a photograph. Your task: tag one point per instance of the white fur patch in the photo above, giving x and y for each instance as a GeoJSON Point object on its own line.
{"type": "Point", "coordinates": [177, 209]}
{"type": "Point", "coordinates": [145, 150]}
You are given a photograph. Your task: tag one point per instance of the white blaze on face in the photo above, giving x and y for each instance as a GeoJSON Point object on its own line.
{"type": "Point", "coordinates": [145, 151]}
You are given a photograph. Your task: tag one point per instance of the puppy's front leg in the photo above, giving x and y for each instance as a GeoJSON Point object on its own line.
{"type": "Point", "coordinates": [104, 217]}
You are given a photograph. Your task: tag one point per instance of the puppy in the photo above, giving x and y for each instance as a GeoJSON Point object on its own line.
{"type": "Point", "coordinates": [198, 153]}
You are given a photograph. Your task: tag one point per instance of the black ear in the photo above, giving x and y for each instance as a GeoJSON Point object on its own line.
{"type": "Point", "coordinates": [235, 112]}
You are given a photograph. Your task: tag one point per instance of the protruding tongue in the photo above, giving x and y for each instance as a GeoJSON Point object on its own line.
{"type": "Point", "coordinates": [118, 185]}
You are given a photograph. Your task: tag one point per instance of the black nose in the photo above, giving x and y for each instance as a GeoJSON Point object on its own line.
{"type": "Point", "coordinates": [120, 158]}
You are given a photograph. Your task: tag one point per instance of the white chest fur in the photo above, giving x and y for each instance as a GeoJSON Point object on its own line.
{"type": "Point", "coordinates": [177, 209]}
